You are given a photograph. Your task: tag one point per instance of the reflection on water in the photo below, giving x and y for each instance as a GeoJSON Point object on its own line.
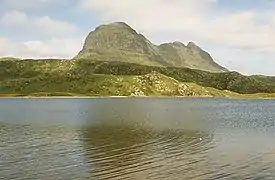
{"type": "Point", "coordinates": [127, 152]}
{"type": "Point", "coordinates": [139, 139]}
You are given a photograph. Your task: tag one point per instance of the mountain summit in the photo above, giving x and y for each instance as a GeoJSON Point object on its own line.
{"type": "Point", "coordinates": [119, 42]}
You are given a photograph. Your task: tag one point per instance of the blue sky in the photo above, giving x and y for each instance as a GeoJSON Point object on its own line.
{"type": "Point", "coordinates": [239, 34]}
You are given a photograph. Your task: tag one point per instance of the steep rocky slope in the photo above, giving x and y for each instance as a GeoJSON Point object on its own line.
{"type": "Point", "coordinates": [119, 42]}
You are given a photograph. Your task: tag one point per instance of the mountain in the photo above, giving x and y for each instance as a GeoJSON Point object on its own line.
{"type": "Point", "coordinates": [119, 42]}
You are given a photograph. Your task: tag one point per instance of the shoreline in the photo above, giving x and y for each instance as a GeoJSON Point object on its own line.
{"type": "Point", "coordinates": [248, 96]}
{"type": "Point", "coordinates": [59, 97]}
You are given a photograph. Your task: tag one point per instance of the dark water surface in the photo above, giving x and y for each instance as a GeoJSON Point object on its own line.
{"type": "Point", "coordinates": [201, 139]}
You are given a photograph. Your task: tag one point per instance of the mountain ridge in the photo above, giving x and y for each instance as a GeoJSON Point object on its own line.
{"type": "Point", "coordinates": [120, 42]}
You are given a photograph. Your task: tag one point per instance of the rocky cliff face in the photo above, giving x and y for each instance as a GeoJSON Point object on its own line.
{"type": "Point", "coordinates": [116, 37]}
{"type": "Point", "coordinates": [119, 42]}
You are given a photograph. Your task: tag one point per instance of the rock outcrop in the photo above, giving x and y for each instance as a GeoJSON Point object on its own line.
{"type": "Point", "coordinates": [119, 42]}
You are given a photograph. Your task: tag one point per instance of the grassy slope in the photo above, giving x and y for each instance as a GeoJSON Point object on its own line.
{"type": "Point", "coordinates": [8, 59]}
{"type": "Point", "coordinates": [153, 84]}
{"type": "Point", "coordinates": [70, 78]}
{"type": "Point", "coordinates": [231, 81]}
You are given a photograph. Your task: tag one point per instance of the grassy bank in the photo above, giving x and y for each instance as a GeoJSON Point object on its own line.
{"type": "Point", "coordinates": [87, 78]}
{"type": "Point", "coordinates": [69, 95]}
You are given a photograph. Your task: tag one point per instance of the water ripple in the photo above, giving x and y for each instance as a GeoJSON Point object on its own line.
{"type": "Point", "coordinates": [131, 151]}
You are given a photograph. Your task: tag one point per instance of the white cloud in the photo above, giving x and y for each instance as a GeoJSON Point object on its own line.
{"type": "Point", "coordinates": [27, 4]}
{"type": "Point", "coordinates": [197, 19]}
{"type": "Point", "coordinates": [53, 48]}
{"type": "Point", "coordinates": [16, 20]}
{"type": "Point", "coordinates": [52, 38]}
{"type": "Point", "coordinates": [246, 63]}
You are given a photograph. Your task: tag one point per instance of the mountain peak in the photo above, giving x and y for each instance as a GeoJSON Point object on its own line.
{"type": "Point", "coordinates": [114, 38]}
{"type": "Point", "coordinates": [122, 24]}
{"type": "Point", "coordinates": [118, 41]}
{"type": "Point", "coordinates": [192, 45]}
{"type": "Point", "coordinates": [178, 43]}
{"type": "Point", "coordinates": [118, 26]}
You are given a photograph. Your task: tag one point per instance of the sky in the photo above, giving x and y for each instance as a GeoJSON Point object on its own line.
{"type": "Point", "coordinates": [239, 34]}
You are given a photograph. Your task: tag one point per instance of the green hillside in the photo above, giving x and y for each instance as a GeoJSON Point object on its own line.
{"type": "Point", "coordinates": [95, 78]}
{"type": "Point", "coordinates": [8, 59]}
